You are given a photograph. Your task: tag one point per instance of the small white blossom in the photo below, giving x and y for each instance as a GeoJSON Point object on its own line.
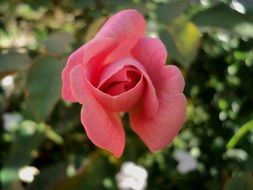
{"type": "Point", "coordinates": [152, 29]}
{"type": "Point", "coordinates": [186, 162]}
{"type": "Point", "coordinates": [7, 84]}
{"type": "Point", "coordinates": [132, 177]}
{"type": "Point", "coordinates": [236, 5]}
{"type": "Point", "coordinates": [27, 173]}
{"type": "Point", "coordinates": [235, 153]}
{"type": "Point", "coordinates": [10, 120]}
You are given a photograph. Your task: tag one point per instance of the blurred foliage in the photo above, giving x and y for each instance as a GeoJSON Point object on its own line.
{"type": "Point", "coordinates": [211, 41]}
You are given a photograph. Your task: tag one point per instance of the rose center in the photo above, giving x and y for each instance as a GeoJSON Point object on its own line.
{"type": "Point", "coordinates": [122, 81]}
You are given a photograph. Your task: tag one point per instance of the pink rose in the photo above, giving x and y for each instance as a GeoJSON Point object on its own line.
{"type": "Point", "coordinates": [121, 70]}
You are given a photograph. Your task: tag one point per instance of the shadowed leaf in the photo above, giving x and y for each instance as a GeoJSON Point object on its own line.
{"type": "Point", "coordinates": [90, 176]}
{"type": "Point", "coordinates": [45, 181]}
{"type": "Point", "coordinates": [222, 17]}
{"type": "Point", "coordinates": [244, 182]}
{"type": "Point", "coordinates": [13, 61]}
{"type": "Point", "coordinates": [58, 42]}
{"type": "Point", "coordinates": [44, 87]}
{"type": "Point", "coordinates": [170, 11]}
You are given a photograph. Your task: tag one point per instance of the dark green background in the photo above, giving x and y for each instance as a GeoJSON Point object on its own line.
{"type": "Point", "coordinates": [210, 42]}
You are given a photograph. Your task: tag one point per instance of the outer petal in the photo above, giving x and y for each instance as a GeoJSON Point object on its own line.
{"type": "Point", "coordinates": [73, 60]}
{"type": "Point", "coordinates": [126, 27]}
{"type": "Point", "coordinates": [95, 47]}
{"type": "Point", "coordinates": [151, 52]}
{"type": "Point", "coordinates": [160, 129]}
{"type": "Point", "coordinates": [103, 127]}
{"type": "Point", "coordinates": [172, 80]}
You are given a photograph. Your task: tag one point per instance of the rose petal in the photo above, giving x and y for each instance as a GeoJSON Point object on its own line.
{"type": "Point", "coordinates": [73, 60]}
{"type": "Point", "coordinates": [126, 27]}
{"type": "Point", "coordinates": [96, 47]}
{"type": "Point", "coordinates": [160, 129]}
{"type": "Point", "coordinates": [103, 127]}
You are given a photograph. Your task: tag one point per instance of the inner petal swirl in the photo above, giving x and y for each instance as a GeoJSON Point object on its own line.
{"type": "Point", "coordinates": [120, 82]}
{"type": "Point", "coordinates": [119, 85]}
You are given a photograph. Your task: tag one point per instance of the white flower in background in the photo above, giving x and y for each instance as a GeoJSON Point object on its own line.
{"type": "Point", "coordinates": [186, 162]}
{"type": "Point", "coordinates": [7, 84]}
{"type": "Point", "coordinates": [205, 2]}
{"type": "Point", "coordinates": [132, 177]}
{"type": "Point", "coordinates": [10, 120]}
{"type": "Point", "coordinates": [235, 153]}
{"type": "Point", "coordinates": [236, 5]}
{"type": "Point", "coordinates": [152, 29]}
{"type": "Point", "coordinates": [27, 173]}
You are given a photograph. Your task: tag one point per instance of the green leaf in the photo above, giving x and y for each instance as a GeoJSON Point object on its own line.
{"type": "Point", "coordinates": [170, 11]}
{"type": "Point", "coordinates": [53, 136]}
{"type": "Point", "coordinates": [58, 42]}
{"type": "Point", "coordinates": [13, 61]}
{"type": "Point", "coordinates": [182, 40]}
{"type": "Point", "coordinates": [240, 134]}
{"type": "Point", "coordinates": [113, 5]}
{"type": "Point", "coordinates": [83, 4]}
{"type": "Point", "coordinates": [28, 138]}
{"type": "Point", "coordinates": [224, 18]}
{"type": "Point", "coordinates": [44, 87]}
{"type": "Point", "coordinates": [38, 3]}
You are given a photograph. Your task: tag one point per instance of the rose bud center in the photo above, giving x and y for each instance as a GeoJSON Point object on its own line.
{"type": "Point", "coordinates": [120, 85]}
{"type": "Point", "coordinates": [122, 81]}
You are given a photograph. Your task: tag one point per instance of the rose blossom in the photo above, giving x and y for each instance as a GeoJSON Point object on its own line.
{"type": "Point", "coordinates": [121, 70]}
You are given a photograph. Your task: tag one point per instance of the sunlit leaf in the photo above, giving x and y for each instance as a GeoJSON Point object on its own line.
{"type": "Point", "coordinates": [52, 135]}
{"type": "Point", "coordinates": [44, 87]}
{"type": "Point", "coordinates": [182, 40]}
